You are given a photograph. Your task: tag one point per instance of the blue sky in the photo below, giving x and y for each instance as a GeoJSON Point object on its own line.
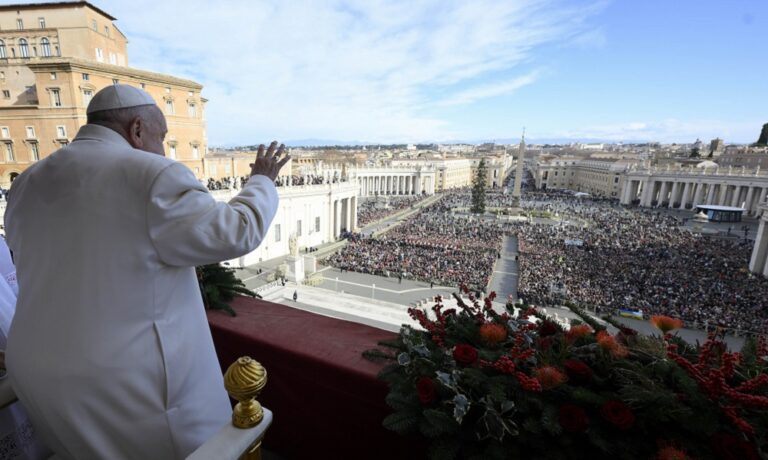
{"type": "Point", "coordinates": [437, 70]}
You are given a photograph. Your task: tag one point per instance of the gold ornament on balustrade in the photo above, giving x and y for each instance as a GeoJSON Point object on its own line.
{"type": "Point", "coordinates": [244, 380]}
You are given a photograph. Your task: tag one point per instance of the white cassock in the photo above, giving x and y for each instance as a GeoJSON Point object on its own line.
{"type": "Point", "coordinates": [110, 351]}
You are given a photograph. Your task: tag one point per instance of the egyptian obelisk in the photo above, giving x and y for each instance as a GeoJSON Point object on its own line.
{"type": "Point", "coordinates": [517, 192]}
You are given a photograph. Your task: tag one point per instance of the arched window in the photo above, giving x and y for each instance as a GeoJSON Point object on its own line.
{"type": "Point", "coordinates": [23, 48]}
{"type": "Point", "coordinates": [2, 50]}
{"type": "Point", "coordinates": [46, 47]}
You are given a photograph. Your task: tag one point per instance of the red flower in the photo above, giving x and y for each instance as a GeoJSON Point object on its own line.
{"type": "Point", "coordinates": [618, 414]}
{"type": "Point", "coordinates": [730, 447]}
{"type": "Point", "coordinates": [665, 323]}
{"type": "Point", "coordinates": [425, 388]}
{"type": "Point", "coordinates": [547, 328]}
{"type": "Point", "coordinates": [549, 377]}
{"type": "Point", "coordinates": [465, 355]}
{"type": "Point", "coordinates": [577, 371]}
{"type": "Point", "coordinates": [573, 419]}
{"type": "Point", "coordinates": [492, 333]}
{"type": "Point", "coordinates": [671, 453]}
{"type": "Point", "coordinates": [577, 332]}
{"type": "Point", "coordinates": [609, 343]}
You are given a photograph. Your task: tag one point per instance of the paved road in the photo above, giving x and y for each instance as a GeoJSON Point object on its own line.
{"type": "Point", "coordinates": [505, 273]}
{"type": "Point", "coordinates": [388, 289]}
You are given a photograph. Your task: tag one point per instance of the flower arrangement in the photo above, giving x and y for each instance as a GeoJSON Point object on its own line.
{"type": "Point", "coordinates": [481, 384]}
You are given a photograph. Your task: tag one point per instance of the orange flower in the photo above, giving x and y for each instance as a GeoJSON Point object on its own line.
{"type": "Point", "coordinates": [665, 323]}
{"type": "Point", "coordinates": [577, 332]}
{"type": "Point", "coordinates": [608, 343]}
{"type": "Point", "coordinates": [492, 333]}
{"type": "Point", "coordinates": [671, 453]}
{"type": "Point", "coordinates": [549, 377]}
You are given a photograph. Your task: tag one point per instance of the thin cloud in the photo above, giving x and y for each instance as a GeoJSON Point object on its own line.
{"type": "Point", "coordinates": [373, 70]}
{"type": "Point", "coordinates": [490, 90]}
{"type": "Point", "coordinates": [669, 130]}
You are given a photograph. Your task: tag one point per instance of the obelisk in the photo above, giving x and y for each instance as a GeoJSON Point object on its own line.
{"type": "Point", "coordinates": [517, 191]}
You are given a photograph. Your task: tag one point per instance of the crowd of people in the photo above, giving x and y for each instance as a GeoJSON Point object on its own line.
{"type": "Point", "coordinates": [374, 209]}
{"type": "Point", "coordinates": [236, 183]}
{"type": "Point", "coordinates": [594, 252]}
{"type": "Point", "coordinates": [609, 257]}
{"type": "Point", "coordinates": [432, 245]}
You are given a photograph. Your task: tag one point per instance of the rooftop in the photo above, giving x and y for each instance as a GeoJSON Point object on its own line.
{"type": "Point", "coordinates": [36, 6]}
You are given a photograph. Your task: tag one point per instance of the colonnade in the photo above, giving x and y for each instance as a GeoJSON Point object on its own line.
{"type": "Point", "coordinates": [684, 193]}
{"type": "Point", "coordinates": [396, 185]}
{"type": "Point", "coordinates": [343, 215]}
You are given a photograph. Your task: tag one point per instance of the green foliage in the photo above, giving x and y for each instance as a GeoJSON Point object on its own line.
{"type": "Point", "coordinates": [478, 189]}
{"type": "Point", "coordinates": [219, 285]}
{"type": "Point", "coordinates": [479, 402]}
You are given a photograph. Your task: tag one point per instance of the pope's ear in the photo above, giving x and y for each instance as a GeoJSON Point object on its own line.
{"type": "Point", "coordinates": [135, 131]}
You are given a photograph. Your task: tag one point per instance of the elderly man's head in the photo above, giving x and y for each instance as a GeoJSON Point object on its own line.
{"type": "Point", "coordinates": [132, 113]}
{"type": "Point", "coordinates": [143, 127]}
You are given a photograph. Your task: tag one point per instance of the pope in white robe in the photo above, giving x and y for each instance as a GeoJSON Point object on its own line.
{"type": "Point", "coordinates": [109, 350]}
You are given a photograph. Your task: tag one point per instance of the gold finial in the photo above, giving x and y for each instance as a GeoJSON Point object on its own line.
{"type": "Point", "coordinates": [244, 380]}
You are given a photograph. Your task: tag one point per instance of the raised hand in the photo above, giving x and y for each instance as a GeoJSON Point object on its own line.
{"type": "Point", "coordinates": [269, 163]}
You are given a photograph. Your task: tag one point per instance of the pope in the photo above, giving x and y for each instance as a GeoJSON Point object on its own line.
{"type": "Point", "coordinates": [109, 349]}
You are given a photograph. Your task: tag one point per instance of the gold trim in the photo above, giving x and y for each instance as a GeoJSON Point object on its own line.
{"type": "Point", "coordinates": [244, 380]}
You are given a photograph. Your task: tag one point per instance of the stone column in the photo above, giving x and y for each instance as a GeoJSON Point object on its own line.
{"type": "Point", "coordinates": [685, 197]}
{"type": "Point", "coordinates": [710, 193]}
{"type": "Point", "coordinates": [758, 260]}
{"type": "Point", "coordinates": [750, 198]}
{"type": "Point", "coordinates": [699, 194]}
{"type": "Point", "coordinates": [418, 185]}
{"type": "Point", "coordinates": [736, 196]}
{"type": "Point", "coordinates": [763, 193]}
{"type": "Point", "coordinates": [337, 219]}
{"type": "Point", "coordinates": [723, 194]}
{"type": "Point", "coordinates": [663, 193]}
{"type": "Point", "coordinates": [673, 195]}
{"type": "Point", "coordinates": [353, 211]}
{"type": "Point", "coordinates": [645, 201]}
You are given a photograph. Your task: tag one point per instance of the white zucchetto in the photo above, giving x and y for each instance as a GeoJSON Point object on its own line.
{"type": "Point", "coordinates": [119, 97]}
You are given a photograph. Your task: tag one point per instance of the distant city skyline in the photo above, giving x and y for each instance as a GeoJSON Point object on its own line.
{"type": "Point", "coordinates": [434, 71]}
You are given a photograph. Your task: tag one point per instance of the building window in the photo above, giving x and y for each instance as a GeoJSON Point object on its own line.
{"type": "Point", "coordinates": [86, 77]}
{"type": "Point", "coordinates": [87, 96]}
{"type": "Point", "coordinates": [23, 48]}
{"type": "Point", "coordinates": [172, 151]}
{"type": "Point", "coordinates": [9, 155]}
{"type": "Point", "coordinates": [41, 21]}
{"type": "Point", "coordinates": [277, 233]}
{"type": "Point", "coordinates": [5, 133]}
{"type": "Point", "coordinates": [2, 50]}
{"type": "Point", "coordinates": [99, 55]}
{"type": "Point", "coordinates": [93, 24]}
{"type": "Point", "coordinates": [61, 132]}
{"type": "Point", "coordinates": [20, 24]}
{"type": "Point", "coordinates": [192, 110]}
{"type": "Point", "coordinates": [298, 228]}
{"type": "Point", "coordinates": [317, 224]}
{"type": "Point", "coordinates": [113, 58]}
{"type": "Point", "coordinates": [30, 132]}
{"type": "Point", "coordinates": [167, 89]}
{"type": "Point", "coordinates": [56, 50]}
{"type": "Point", "coordinates": [195, 152]}
{"type": "Point", "coordinates": [6, 94]}
{"type": "Point", "coordinates": [115, 81]}
{"type": "Point", "coordinates": [53, 75]}
{"type": "Point", "coordinates": [55, 97]}
{"type": "Point", "coordinates": [142, 85]}
{"type": "Point", "coordinates": [168, 107]}
{"type": "Point", "coordinates": [45, 45]}
{"type": "Point", "coordinates": [34, 151]}
{"type": "Point", "coordinates": [106, 31]}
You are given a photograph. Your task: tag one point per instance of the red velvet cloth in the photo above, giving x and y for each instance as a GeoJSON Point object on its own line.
{"type": "Point", "coordinates": [326, 399]}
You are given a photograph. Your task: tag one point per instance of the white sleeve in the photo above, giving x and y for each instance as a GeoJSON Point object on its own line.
{"type": "Point", "coordinates": [188, 227]}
